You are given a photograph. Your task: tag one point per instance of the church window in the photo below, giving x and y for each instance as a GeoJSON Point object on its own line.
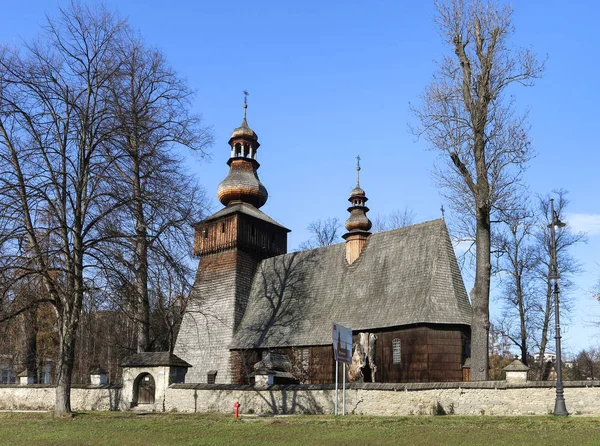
{"type": "Point", "coordinates": [396, 351]}
{"type": "Point", "coordinates": [211, 376]}
{"type": "Point", "coordinates": [205, 233]}
{"type": "Point", "coordinates": [223, 228]}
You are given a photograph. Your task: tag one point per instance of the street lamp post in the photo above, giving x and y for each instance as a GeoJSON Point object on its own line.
{"type": "Point", "coordinates": [560, 409]}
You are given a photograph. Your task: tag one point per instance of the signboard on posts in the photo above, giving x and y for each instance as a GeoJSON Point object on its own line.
{"type": "Point", "coordinates": [342, 343]}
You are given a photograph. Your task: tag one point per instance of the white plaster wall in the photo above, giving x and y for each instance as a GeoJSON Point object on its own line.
{"type": "Point", "coordinates": [161, 381]}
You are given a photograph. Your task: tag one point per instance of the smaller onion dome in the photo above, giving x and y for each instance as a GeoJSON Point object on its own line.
{"type": "Point", "coordinates": [358, 220]}
{"type": "Point", "coordinates": [357, 191]}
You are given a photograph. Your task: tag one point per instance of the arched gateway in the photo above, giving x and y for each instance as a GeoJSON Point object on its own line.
{"type": "Point", "coordinates": [144, 389]}
{"type": "Point", "coordinates": [146, 377]}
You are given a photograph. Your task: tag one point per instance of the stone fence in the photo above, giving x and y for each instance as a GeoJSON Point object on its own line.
{"type": "Point", "coordinates": [43, 397]}
{"type": "Point", "coordinates": [464, 398]}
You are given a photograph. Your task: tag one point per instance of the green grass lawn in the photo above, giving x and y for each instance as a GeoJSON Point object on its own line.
{"type": "Point", "coordinates": [117, 428]}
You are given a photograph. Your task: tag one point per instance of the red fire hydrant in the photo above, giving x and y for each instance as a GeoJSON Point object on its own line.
{"type": "Point", "coordinates": [236, 409]}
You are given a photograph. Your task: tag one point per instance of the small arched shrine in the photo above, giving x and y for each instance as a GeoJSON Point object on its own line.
{"type": "Point", "coordinates": [146, 377]}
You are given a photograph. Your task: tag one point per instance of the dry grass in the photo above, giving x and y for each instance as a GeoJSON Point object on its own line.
{"type": "Point", "coordinates": [117, 428]}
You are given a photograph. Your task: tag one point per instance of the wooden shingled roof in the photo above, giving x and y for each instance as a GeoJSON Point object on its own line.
{"type": "Point", "coordinates": [155, 359]}
{"type": "Point", "coordinates": [404, 276]}
{"type": "Point", "coordinates": [243, 208]}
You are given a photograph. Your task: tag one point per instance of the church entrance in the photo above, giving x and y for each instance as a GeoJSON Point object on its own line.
{"type": "Point", "coordinates": [144, 389]}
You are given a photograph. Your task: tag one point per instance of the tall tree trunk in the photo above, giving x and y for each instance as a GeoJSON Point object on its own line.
{"type": "Point", "coordinates": [522, 316]}
{"type": "Point", "coordinates": [480, 326]}
{"type": "Point", "coordinates": [30, 329]}
{"type": "Point", "coordinates": [141, 260]}
{"type": "Point", "coordinates": [143, 304]}
{"type": "Point", "coordinates": [64, 369]}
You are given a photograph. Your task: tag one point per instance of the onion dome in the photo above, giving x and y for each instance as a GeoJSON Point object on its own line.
{"type": "Point", "coordinates": [358, 220]}
{"type": "Point", "coordinates": [242, 182]}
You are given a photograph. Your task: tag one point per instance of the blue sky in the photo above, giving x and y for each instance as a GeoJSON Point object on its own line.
{"type": "Point", "coordinates": [330, 80]}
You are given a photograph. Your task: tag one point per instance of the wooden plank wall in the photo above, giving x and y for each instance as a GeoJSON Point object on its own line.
{"type": "Point", "coordinates": [242, 231]}
{"type": "Point", "coordinates": [428, 354]}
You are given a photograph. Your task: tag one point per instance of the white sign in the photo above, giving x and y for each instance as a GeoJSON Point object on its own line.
{"type": "Point", "coordinates": [342, 343]}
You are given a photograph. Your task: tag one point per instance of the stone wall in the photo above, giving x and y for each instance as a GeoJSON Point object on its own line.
{"type": "Point", "coordinates": [43, 397]}
{"type": "Point", "coordinates": [483, 398]}
{"type": "Point", "coordinates": [486, 398]}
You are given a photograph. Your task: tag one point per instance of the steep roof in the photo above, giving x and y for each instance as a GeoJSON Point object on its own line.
{"type": "Point", "coordinates": [243, 208]}
{"type": "Point", "coordinates": [155, 359]}
{"type": "Point", "coordinates": [516, 366]}
{"type": "Point", "coordinates": [404, 276]}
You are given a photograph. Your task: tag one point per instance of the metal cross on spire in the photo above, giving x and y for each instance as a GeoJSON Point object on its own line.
{"type": "Point", "coordinates": [245, 102]}
{"type": "Point", "coordinates": [357, 170]}
{"type": "Point", "coordinates": [443, 212]}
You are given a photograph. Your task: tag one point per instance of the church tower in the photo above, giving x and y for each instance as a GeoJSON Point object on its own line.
{"type": "Point", "coordinates": [358, 224]}
{"type": "Point", "coordinates": [230, 244]}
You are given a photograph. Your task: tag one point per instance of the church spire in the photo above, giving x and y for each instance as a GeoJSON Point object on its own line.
{"type": "Point", "coordinates": [242, 183]}
{"type": "Point", "coordinates": [358, 224]}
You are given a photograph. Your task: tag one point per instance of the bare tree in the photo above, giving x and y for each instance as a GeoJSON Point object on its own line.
{"type": "Point", "coordinates": [323, 233]}
{"type": "Point", "coordinates": [151, 106]}
{"type": "Point", "coordinates": [588, 363]}
{"type": "Point", "coordinates": [53, 129]}
{"type": "Point", "coordinates": [518, 263]}
{"type": "Point", "coordinates": [466, 116]}
{"type": "Point", "coordinates": [567, 268]}
{"type": "Point", "coordinates": [396, 219]}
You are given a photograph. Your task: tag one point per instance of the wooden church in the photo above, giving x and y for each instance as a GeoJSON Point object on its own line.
{"type": "Point", "coordinates": [400, 291]}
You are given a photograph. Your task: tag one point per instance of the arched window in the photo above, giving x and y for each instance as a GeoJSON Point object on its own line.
{"type": "Point", "coordinates": [396, 351]}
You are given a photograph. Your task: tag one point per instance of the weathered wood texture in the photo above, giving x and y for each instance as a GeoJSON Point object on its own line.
{"type": "Point", "coordinates": [231, 248]}
{"type": "Point", "coordinates": [312, 365]}
{"type": "Point", "coordinates": [240, 231]}
{"type": "Point", "coordinates": [428, 354]}
{"type": "Point", "coordinates": [217, 303]}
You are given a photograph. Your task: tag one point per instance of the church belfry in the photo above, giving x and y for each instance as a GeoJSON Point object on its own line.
{"type": "Point", "coordinates": [358, 224]}
{"type": "Point", "coordinates": [230, 243]}
{"type": "Point", "coordinates": [241, 224]}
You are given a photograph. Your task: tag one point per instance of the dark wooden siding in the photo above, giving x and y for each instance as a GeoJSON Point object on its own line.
{"type": "Point", "coordinates": [215, 236]}
{"type": "Point", "coordinates": [428, 354]}
{"type": "Point", "coordinates": [312, 365]}
{"type": "Point", "coordinates": [240, 231]}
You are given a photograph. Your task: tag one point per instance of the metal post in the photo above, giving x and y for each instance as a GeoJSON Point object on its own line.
{"type": "Point", "coordinates": [344, 391]}
{"type": "Point", "coordinates": [336, 387]}
{"type": "Point", "coordinates": [560, 408]}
